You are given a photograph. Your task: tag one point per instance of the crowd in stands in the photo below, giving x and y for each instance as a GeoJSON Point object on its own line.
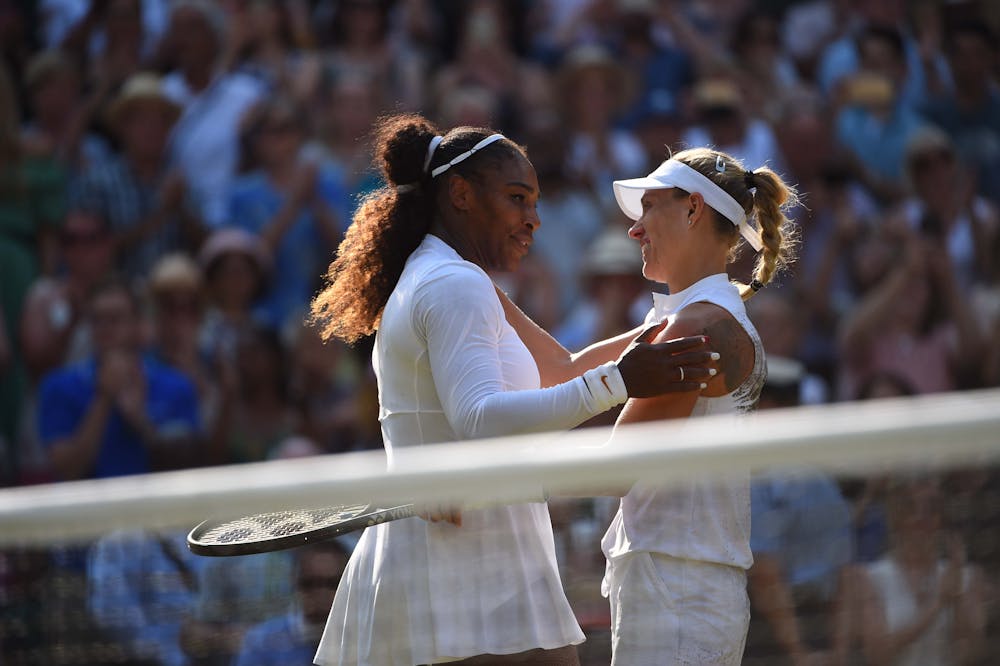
{"type": "Point", "coordinates": [175, 177]}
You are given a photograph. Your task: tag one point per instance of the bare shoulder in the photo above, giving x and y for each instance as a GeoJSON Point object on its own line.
{"type": "Point", "coordinates": [727, 337]}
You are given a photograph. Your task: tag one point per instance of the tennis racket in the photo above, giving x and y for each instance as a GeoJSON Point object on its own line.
{"type": "Point", "coordinates": [280, 530]}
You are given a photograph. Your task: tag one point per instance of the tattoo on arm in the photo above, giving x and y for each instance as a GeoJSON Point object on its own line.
{"type": "Point", "coordinates": [731, 341]}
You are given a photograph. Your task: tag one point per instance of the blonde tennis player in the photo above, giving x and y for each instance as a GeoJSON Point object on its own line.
{"type": "Point", "coordinates": [677, 557]}
{"type": "Point", "coordinates": [413, 266]}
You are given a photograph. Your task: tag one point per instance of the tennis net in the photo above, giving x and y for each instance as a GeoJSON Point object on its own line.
{"type": "Point", "coordinates": [98, 571]}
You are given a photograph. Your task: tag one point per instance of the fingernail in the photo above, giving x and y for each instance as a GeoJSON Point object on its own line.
{"type": "Point", "coordinates": [704, 385]}
{"type": "Point", "coordinates": [712, 372]}
{"type": "Point", "coordinates": [715, 356]}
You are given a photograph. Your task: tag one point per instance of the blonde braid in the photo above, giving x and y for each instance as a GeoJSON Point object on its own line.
{"type": "Point", "coordinates": [778, 233]}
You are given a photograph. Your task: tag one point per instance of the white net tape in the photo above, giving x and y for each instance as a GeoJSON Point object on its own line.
{"type": "Point", "coordinates": [846, 438]}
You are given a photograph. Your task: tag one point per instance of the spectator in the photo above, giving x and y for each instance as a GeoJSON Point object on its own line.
{"type": "Point", "coordinates": [359, 44]}
{"type": "Point", "coordinates": [292, 638]}
{"type": "Point", "coordinates": [255, 410]}
{"type": "Point", "coordinates": [611, 273]}
{"type": "Point", "coordinates": [723, 123]}
{"type": "Point", "coordinates": [800, 536]}
{"type": "Point", "coordinates": [666, 71]}
{"type": "Point", "coordinates": [271, 42]}
{"type": "Point", "coordinates": [109, 44]}
{"type": "Point", "coordinates": [54, 329]}
{"type": "Point", "coordinates": [485, 56]}
{"type": "Point", "coordinates": [142, 586]}
{"type": "Point", "coordinates": [146, 203]}
{"type": "Point", "coordinates": [922, 66]}
{"type": "Point", "coordinates": [944, 206]}
{"type": "Point", "coordinates": [921, 603]}
{"type": "Point", "coordinates": [915, 322]}
{"type": "Point", "coordinates": [177, 296]}
{"type": "Point", "coordinates": [232, 595]}
{"type": "Point", "coordinates": [970, 113]}
{"type": "Point", "coordinates": [571, 218]}
{"type": "Point", "coordinates": [594, 90]}
{"type": "Point", "coordinates": [205, 141]}
{"type": "Point", "coordinates": [875, 124]}
{"type": "Point", "coordinates": [59, 124]}
{"type": "Point", "coordinates": [236, 266]}
{"type": "Point", "coordinates": [349, 102]}
{"type": "Point", "coordinates": [326, 387]}
{"type": "Point", "coordinates": [298, 207]}
{"type": "Point", "coordinates": [31, 207]}
{"type": "Point", "coordinates": [777, 316]}
{"type": "Point", "coordinates": [766, 74]}
{"type": "Point", "coordinates": [117, 412]}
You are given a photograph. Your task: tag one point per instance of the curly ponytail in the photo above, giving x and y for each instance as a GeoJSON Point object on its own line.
{"type": "Point", "coordinates": [392, 221]}
{"type": "Point", "coordinates": [764, 196]}
{"type": "Point", "coordinates": [387, 227]}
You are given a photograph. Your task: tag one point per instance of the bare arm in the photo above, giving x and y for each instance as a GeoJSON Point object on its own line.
{"type": "Point", "coordinates": [555, 363]}
{"type": "Point", "coordinates": [772, 597]}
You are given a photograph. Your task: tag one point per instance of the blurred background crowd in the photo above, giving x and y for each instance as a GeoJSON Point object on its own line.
{"type": "Point", "coordinates": [175, 175]}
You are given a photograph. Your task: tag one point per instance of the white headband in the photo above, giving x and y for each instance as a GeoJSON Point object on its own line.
{"type": "Point", "coordinates": [431, 147]}
{"type": "Point", "coordinates": [464, 156]}
{"type": "Point", "coordinates": [673, 173]}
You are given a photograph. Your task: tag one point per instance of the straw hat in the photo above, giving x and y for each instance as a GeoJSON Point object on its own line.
{"type": "Point", "coordinates": [239, 241]}
{"type": "Point", "coordinates": [46, 65]}
{"type": "Point", "coordinates": [144, 86]}
{"type": "Point", "coordinates": [175, 272]}
{"type": "Point", "coordinates": [717, 93]}
{"type": "Point", "coordinates": [612, 253]}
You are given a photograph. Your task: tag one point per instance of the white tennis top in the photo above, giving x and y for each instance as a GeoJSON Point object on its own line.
{"type": "Point", "coordinates": [704, 519]}
{"type": "Point", "coordinates": [450, 367]}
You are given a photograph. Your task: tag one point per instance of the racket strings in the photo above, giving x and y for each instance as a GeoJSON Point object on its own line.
{"type": "Point", "coordinates": [277, 524]}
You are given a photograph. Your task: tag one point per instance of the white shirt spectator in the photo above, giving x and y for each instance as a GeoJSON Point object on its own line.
{"type": "Point", "coordinates": [205, 141]}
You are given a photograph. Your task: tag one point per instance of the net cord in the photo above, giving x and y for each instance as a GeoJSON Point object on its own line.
{"type": "Point", "coordinates": [844, 438]}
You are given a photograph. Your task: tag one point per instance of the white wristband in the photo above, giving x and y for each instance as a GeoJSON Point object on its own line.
{"type": "Point", "coordinates": [606, 385]}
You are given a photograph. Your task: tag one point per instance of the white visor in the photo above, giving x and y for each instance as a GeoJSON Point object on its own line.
{"type": "Point", "coordinates": [677, 174]}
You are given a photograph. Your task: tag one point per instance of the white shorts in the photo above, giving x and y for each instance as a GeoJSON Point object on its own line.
{"type": "Point", "coordinates": [671, 611]}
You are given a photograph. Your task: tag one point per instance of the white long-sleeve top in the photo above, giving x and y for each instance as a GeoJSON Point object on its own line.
{"type": "Point", "coordinates": [450, 367]}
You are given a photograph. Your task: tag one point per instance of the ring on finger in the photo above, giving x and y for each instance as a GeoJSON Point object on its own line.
{"type": "Point", "coordinates": [681, 368]}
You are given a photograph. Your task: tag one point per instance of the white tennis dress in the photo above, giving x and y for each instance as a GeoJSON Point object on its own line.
{"type": "Point", "coordinates": [677, 557]}
{"type": "Point", "coordinates": [450, 367]}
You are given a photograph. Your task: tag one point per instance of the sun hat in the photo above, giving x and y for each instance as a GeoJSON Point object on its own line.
{"type": "Point", "coordinates": [239, 241]}
{"type": "Point", "coordinates": [143, 86]}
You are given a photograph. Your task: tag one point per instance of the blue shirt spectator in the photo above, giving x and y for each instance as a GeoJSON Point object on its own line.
{"type": "Point", "coordinates": [878, 142]}
{"type": "Point", "coordinates": [303, 251]}
{"type": "Point", "coordinates": [804, 522]}
{"type": "Point", "coordinates": [66, 395]}
{"type": "Point", "coordinates": [141, 588]}
{"type": "Point", "coordinates": [279, 640]}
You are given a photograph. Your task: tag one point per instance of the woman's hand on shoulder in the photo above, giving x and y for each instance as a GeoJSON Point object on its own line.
{"type": "Point", "coordinates": [653, 365]}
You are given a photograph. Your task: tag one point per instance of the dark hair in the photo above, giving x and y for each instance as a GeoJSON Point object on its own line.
{"type": "Point", "coordinates": [970, 28]}
{"type": "Point", "coordinates": [116, 284]}
{"type": "Point", "coordinates": [389, 224]}
{"type": "Point", "coordinates": [890, 36]}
